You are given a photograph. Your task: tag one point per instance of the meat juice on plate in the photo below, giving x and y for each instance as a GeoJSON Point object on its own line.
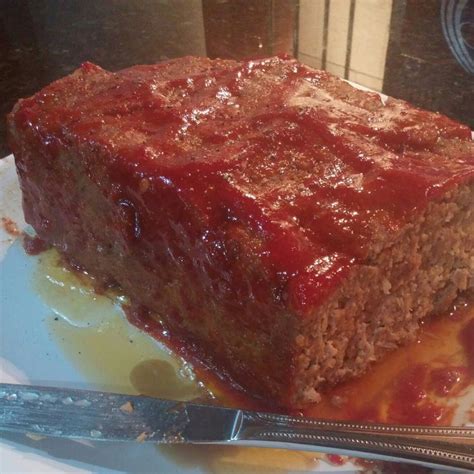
{"type": "Point", "coordinates": [426, 382]}
{"type": "Point", "coordinates": [93, 332]}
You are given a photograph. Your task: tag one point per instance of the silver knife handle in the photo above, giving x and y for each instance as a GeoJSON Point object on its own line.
{"type": "Point", "coordinates": [436, 446]}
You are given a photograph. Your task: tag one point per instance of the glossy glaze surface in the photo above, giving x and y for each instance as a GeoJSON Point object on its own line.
{"type": "Point", "coordinates": [312, 170]}
{"type": "Point", "coordinates": [408, 49]}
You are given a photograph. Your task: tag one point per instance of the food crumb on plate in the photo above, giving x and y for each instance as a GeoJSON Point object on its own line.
{"type": "Point", "coordinates": [141, 437]}
{"type": "Point", "coordinates": [127, 407]}
{"type": "Point", "coordinates": [10, 227]}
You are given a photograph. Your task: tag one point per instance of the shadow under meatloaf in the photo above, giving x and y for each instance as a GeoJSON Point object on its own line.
{"type": "Point", "coordinates": [287, 228]}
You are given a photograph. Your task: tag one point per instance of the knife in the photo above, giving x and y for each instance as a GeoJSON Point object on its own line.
{"type": "Point", "coordinates": [93, 415]}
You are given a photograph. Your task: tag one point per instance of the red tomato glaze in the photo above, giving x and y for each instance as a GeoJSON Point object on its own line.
{"type": "Point", "coordinates": [313, 169]}
{"type": "Point", "coordinates": [231, 198]}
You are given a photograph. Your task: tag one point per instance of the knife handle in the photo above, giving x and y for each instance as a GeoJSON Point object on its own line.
{"type": "Point", "coordinates": [434, 446]}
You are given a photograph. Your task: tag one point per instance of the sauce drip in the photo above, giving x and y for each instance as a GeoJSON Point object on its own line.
{"type": "Point", "coordinates": [466, 337]}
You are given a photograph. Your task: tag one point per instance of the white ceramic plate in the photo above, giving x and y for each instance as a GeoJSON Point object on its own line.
{"type": "Point", "coordinates": [30, 354]}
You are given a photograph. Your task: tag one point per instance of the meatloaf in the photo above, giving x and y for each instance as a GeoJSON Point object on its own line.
{"type": "Point", "coordinates": [283, 226]}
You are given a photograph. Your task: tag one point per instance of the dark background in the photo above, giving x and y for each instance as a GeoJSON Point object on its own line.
{"type": "Point", "coordinates": [41, 41]}
{"type": "Point", "coordinates": [420, 66]}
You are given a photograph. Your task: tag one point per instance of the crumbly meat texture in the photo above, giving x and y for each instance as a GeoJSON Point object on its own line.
{"type": "Point", "coordinates": [282, 226]}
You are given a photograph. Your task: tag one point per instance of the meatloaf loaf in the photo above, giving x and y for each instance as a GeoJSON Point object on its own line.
{"type": "Point", "coordinates": [285, 227]}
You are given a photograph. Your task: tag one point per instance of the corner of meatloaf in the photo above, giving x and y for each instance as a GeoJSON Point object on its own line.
{"type": "Point", "coordinates": [419, 273]}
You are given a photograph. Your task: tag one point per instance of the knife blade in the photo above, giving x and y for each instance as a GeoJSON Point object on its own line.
{"type": "Point", "coordinates": [100, 416]}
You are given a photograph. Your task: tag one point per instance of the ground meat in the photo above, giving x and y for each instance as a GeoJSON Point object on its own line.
{"type": "Point", "coordinates": [282, 226]}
